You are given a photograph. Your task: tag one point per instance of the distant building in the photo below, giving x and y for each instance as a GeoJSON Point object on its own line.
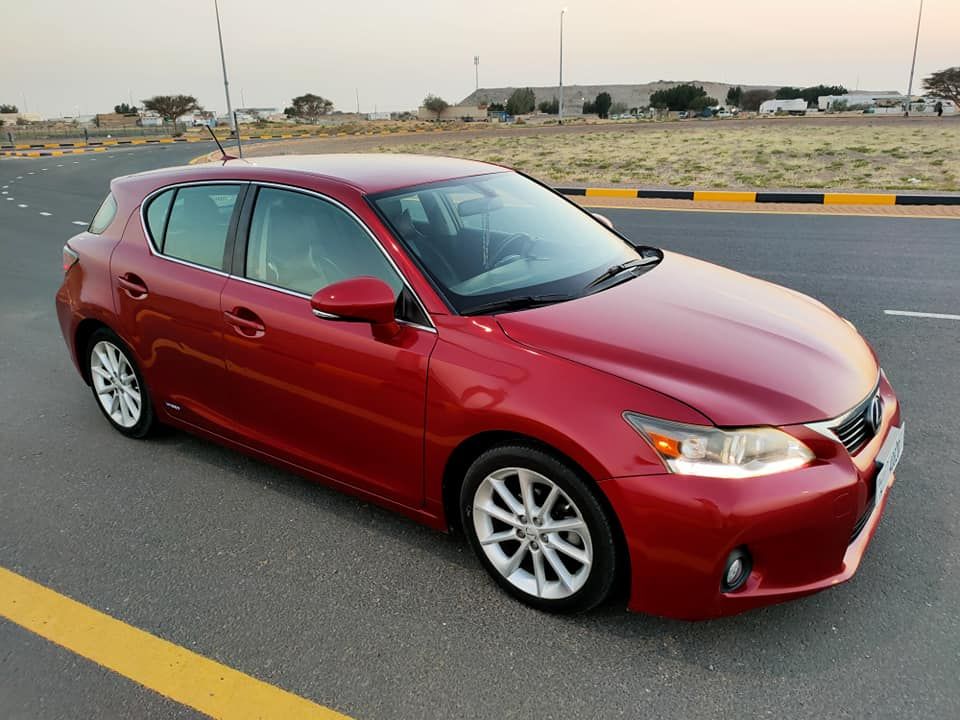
{"type": "Point", "coordinates": [378, 116]}
{"type": "Point", "coordinates": [864, 100]}
{"type": "Point", "coordinates": [454, 112]}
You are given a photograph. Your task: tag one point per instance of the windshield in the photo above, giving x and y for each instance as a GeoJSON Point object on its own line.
{"type": "Point", "coordinates": [496, 238]}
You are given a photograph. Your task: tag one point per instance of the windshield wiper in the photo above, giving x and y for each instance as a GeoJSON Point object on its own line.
{"type": "Point", "coordinates": [522, 302]}
{"type": "Point", "coordinates": [623, 267]}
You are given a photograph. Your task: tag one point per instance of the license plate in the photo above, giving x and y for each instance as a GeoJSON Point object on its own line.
{"type": "Point", "coordinates": [887, 458]}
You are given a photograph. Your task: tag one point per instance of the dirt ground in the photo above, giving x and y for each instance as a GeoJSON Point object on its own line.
{"type": "Point", "coordinates": [859, 152]}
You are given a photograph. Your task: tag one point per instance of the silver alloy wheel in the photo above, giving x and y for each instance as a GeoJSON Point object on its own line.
{"type": "Point", "coordinates": [115, 384]}
{"type": "Point", "coordinates": [532, 533]}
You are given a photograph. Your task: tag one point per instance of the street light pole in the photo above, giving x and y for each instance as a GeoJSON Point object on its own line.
{"type": "Point", "coordinates": [476, 72]}
{"type": "Point", "coordinates": [913, 65]}
{"type": "Point", "coordinates": [223, 62]}
{"type": "Point", "coordinates": [560, 108]}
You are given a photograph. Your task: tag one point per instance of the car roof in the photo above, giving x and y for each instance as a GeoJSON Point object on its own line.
{"type": "Point", "coordinates": [370, 173]}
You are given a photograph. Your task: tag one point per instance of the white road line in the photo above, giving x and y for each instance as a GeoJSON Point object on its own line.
{"type": "Point", "coordinates": [4, 192]}
{"type": "Point", "coordinates": [45, 214]}
{"type": "Point", "coordinates": [80, 222]}
{"type": "Point", "coordinates": [22, 205]}
{"type": "Point", "coordinates": [59, 165]}
{"type": "Point", "coordinates": [10, 198]}
{"type": "Point", "coordinates": [19, 177]}
{"type": "Point", "coordinates": [909, 313]}
{"type": "Point", "coordinates": [31, 173]}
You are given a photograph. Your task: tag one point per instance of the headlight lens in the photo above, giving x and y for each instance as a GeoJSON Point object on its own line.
{"type": "Point", "coordinates": [711, 452]}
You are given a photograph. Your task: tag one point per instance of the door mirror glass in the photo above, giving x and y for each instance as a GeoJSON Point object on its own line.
{"type": "Point", "coordinates": [361, 299]}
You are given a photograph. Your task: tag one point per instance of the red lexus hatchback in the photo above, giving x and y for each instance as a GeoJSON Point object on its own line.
{"type": "Point", "coordinates": [457, 342]}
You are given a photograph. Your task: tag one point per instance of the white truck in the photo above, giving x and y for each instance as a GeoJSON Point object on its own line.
{"type": "Point", "coordinates": [797, 106]}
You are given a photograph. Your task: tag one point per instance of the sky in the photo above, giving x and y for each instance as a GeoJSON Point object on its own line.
{"type": "Point", "coordinates": [63, 57]}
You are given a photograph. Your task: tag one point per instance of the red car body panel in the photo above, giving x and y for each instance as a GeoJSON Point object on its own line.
{"type": "Point", "coordinates": [386, 418]}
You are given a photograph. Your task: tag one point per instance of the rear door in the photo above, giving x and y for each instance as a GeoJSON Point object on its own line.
{"type": "Point", "coordinates": [168, 274]}
{"type": "Point", "coordinates": [324, 394]}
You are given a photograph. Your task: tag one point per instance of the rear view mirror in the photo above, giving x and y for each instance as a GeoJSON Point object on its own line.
{"type": "Point", "coordinates": [359, 299]}
{"type": "Point", "coordinates": [479, 205]}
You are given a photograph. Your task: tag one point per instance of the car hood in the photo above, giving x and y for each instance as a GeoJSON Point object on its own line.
{"type": "Point", "coordinates": [740, 350]}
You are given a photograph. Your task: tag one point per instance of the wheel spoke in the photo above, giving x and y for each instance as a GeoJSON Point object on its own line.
{"type": "Point", "coordinates": [100, 372]}
{"type": "Point", "coordinates": [122, 404]}
{"type": "Point", "coordinates": [526, 492]}
{"type": "Point", "coordinates": [538, 573]}
{"type": "Point", "coordinates": [495, 511]}
{"type": "Point", "coordinates": [566, 525]}
{"type": "Point", "coordinates": [514, 562]}
{"type": "Point", "coordinates": [499, 537]}
{"type": "Point", "coordinates": [508, 497]}
{"type": "Point", "coordinates": [547, 506]}
{"type": "Point", "coordinates": [104, 359]}
{"type": "Point", "coordinates": [558, 567]}
{"type": "Point", "coordinates": [570, 550]}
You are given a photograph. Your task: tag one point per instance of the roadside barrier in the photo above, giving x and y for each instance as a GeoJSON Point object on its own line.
{"type": "Point", "coordinates": [827, 198]}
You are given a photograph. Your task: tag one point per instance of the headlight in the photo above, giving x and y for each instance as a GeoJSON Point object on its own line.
{"type": "Point", "coordinates": [711, 452]}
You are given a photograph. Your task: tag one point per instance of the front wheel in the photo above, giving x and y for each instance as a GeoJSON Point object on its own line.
{"type": "Point", "coordinates": [538, 529]}
{"type": "Point", "coordinates": [118, 385]}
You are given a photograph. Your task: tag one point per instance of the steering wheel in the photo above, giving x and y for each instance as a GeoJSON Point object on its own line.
{"type": "Point", "coordinates": [502, 256]}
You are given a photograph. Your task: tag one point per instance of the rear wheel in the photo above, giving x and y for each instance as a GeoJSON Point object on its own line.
{"type": "Point", "coordinates": [118, 386]}
{"type": "Point", "coordinates": [538, 529]}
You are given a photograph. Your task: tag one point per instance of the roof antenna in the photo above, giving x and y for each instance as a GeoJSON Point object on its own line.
{"type": "Point", "coordinates": [222, 151]}
{"type": "Point", "coordinates": [236, 129]}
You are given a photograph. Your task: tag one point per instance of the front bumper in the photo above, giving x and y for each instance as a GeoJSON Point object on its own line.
{"type": "Point", "coordinates": [806, 530]}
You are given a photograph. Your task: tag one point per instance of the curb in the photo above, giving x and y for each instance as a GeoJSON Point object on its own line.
{"type": "Point", "coordinates": [766, 197]}
{"type": "Point", "coordinates": [49, 153]}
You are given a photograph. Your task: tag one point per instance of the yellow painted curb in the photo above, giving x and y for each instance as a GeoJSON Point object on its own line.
{"type": "Point", "coordinates": [724, 196]}
{"type": "Point", "coordinates": [173, 671]}
{"type": "Point", "coordinates": [611, 192]}
{"type": "Point", "coordinates": [858, 199]}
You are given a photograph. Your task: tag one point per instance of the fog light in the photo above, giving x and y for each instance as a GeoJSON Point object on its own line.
{"type": "Point", "coordinates": [736, 571]}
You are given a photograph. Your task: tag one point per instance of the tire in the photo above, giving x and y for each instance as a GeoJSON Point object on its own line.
{"type": "Point", "coordinates": [118, 386]}
{"type": "Point", "coordinates": [568, 570]}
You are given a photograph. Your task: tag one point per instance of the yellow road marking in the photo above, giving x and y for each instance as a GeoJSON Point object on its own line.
{"type": "Point", "coordinates": [724, 196]}
{"type": "Point", "coordinates": [858, 199]}
{"type": "Point", "coordinates": [161, 666]}
{"type": "Point", "coordinates": [745, 211]}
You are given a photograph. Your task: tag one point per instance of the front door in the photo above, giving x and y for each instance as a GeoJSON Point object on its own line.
{"type": "Point", "coordinates": [322, 393]}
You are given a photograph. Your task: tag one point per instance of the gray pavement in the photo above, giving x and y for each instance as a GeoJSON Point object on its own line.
{"type": "Point", "coordinates": [377, 617]}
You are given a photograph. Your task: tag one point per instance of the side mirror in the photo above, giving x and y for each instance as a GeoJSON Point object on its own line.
{"type": "Point", "coordinates": [604, 219]}
{"type": "Point", "coordinates": [360, 299]}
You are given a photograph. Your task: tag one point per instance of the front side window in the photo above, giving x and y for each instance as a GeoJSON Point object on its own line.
{"type": "Point", "coordinates": [105, 215]}
{"type": "Point", "coordinates": [197, 224]}
{"type": "Point", "coordinates": [302, 243]}
{"type": "Point", "coordinates": [492, 238]}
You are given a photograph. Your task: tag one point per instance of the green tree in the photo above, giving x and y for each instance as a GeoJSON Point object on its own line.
{"type": "Point", "coordinates": [679, 97]}
{"type": "Point", "coordinates": [8, 109]}
{"type": "Point", "coordinates": [497, 107]}
{"type": "Point", "coordinates": [435, 104]}
{"type": "Point", "coordinates": [698, 104]}
{"type": "Point", "coordinates": [601, 105]}
{"type": "Point", "coordinates": [618, 108]}
{"type": "Point", "coordinates": [170, 107]}
{"type": "Point", "coordinates": [752, 99]}
{"type": "Point", "coordinates": [521, 102]}
{"type": "Point", "coordinates": [589, 107]}
{"type": "Point", "coordinates": [124, 109]}
{"type": "Point", "coordinates": [550, 107]}
{"type": "Point", "coordinates": [309, 107]}
{"type": "Point", "coordinates": [789, 93]}
{"type": "Point", "coordinates": [735, 96]}
{"type": "Point", "coordinates": [812, 94]}
{"type": "Point", "coordinates": [945, 84]}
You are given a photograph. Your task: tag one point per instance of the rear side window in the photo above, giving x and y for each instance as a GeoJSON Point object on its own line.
{"type": "Point", "coordinates": [105, 215]}
{"type": "Point", "coordinates": [197, 223]}
{"type": "Point", "coordinates": [157, 212]}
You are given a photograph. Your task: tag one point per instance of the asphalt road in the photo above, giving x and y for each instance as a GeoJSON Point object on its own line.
{"type": "Point", "coordinates": [371, 614]}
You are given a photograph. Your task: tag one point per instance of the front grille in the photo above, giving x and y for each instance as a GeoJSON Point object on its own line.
{"type": "Point", "coordinates": [856, 430]}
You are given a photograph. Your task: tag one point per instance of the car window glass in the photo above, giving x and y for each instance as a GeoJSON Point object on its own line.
{"type": "Point", "coordinates": [198, 224]}
{"type": "Point", "coordinates": [302, 243]}
{"type": "Point", "coordinates": [105, 215]}
{"type": "Point", "coordinates": [157, 216]}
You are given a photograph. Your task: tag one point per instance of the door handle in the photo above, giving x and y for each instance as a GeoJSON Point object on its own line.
{"type": "Point", "coordinates": [246, 322]}
{"type": "Point", "coordinates": [132, 285]}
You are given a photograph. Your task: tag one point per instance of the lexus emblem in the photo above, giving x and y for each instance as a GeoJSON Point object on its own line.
{"type": "Point", "coordinates": [875, 414]}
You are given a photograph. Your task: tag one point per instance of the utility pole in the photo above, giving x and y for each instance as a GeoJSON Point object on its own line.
{"type": "Point", "coordinates": [226, 85]}
{"type": "Point", "coordinates": [476, 72]}
{"type": "Point", "coordinates": [358, 100]}
{"type": "Point", "coordinates": [560, 108]}
{"type": "Point", "coordinates": [913, 65]}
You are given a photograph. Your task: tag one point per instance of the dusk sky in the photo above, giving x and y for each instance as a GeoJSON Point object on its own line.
{"type": "Point", "coordinates": [63, 57]}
